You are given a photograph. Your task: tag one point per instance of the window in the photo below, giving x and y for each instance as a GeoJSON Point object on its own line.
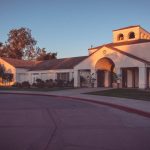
{"type": "Point", "coordinates": [63, 76]}
{"type": "Point", "coordinates": [131, 35]}
{"type": "Point", "coordinates": [120, 37]}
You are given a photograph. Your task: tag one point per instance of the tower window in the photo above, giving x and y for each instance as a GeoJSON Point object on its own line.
{"type": "Point", "coordinates": [131, 35]}
{"type": "Point", "coordinates": [120, 37]}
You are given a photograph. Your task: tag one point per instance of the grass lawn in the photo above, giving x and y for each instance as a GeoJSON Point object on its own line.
{"type": "Point", "coordinates": [125, 93]}
{"type": "Point", "coordinates": [34, 89]}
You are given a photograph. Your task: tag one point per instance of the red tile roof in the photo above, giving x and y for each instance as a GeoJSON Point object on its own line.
{"type": "Point", "coordinates": [69, 63]}
{"type": "Point", "coordinates": [64, 63]}
{"type": "Point", "coordinates": [123, 43]}
{"type": "Point", "coordinates": [111, 46]}
{"type": "Point", "coordinates": [122, 52]}
{"type": "Point", "coordinates": [17, 63]}
{"type": "Point", "coordinates": [132, 27]}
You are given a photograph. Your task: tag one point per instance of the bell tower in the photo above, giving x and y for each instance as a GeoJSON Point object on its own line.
{"type": "Point", "coordinates": [130, 33]}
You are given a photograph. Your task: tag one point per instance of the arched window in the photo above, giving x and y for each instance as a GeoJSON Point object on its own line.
{"type": "Point", "coordinates": [120, 37]}
{"type": "Point", "coordinates": [131, 35]}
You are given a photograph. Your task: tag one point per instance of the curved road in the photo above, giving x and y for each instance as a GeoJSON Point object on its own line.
{"type": "Point", "coordinates": [50, 123]}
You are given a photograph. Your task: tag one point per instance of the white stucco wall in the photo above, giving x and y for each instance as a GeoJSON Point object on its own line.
{"type": "Point", "coordinates": [140, 33]}
{"type": "Point", "coordinates": [21, 75]}
{"type": "Point", "coordinates": [126, 32]}
{"type": "Point", "coordinates": [140, 50]}
{"type": "Point", "coordinates": [48, 74]}
{"type": "Point", "coordinates": [119, 60]}
{"type": "Point", "coordinates": [144, 34]}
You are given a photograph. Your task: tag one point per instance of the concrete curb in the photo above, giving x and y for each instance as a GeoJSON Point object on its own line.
{"type": "Point", "coordinates": [124, 108]}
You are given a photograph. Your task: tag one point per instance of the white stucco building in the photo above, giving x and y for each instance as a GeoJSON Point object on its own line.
{"type": "Point", "coordinates": [126, 60]}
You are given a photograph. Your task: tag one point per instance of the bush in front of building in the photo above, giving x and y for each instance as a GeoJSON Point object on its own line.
{"type": "Point", "coordinates": [59, 83]}
{"type": "Point", "coordinates": [40, 83]}
{"type": "Point", "coordinates": [17, 85]}
{"type": "Point", "coordinates": [25, 84]}
{"type": "Point", "coordinates": [49, 83]}
{"type": "Point", "coordinates": [45, 84]}
{"type": "Point", "coordinates": [34, 85]}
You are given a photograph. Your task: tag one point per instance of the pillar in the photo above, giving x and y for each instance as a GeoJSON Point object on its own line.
{"type": "Point", "coordinates": [142, 78]}
{"type": "Point", "coordinates": [76, 78]}
{"type": "Point", "coordinates": [129, 78]}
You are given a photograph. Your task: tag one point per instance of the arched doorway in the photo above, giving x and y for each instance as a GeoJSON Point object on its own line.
{"type": "Point", "coordinates": [105, 68]}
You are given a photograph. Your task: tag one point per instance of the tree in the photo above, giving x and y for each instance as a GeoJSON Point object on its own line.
{"type": "Point", "coordinates": [43, 55]}
{"type": "Point", "coordinates": [3, 52]}
{"type": "Point", "coordinates": [20, 44]}
{"type": "Point", "coordinates": [1, 44]}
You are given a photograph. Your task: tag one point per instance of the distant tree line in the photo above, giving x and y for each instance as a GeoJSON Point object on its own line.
{"type": "Point", "coordinates": [21, 45]}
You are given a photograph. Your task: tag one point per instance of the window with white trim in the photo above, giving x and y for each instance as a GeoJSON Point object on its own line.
{"type": "Point", "coordinates": [63, 76]}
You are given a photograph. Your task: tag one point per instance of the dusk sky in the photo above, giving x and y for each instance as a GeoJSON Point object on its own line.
{"type": "Point", "coordinates": [70, 27]}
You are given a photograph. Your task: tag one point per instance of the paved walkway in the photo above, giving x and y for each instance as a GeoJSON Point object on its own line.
{"type": "Point", "coordinates": [131, 103]}
{"type": "Point", "coordinates": [78, 93]}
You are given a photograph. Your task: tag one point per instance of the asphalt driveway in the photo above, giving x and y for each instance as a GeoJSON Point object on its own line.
{"type": "Point", "coordinates": [54, 123]}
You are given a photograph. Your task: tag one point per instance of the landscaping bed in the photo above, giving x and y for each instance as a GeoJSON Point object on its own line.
{"type": "Point", "coordinates": [39, 85]}
{"type": "Point", "coordinates": [34, 89]}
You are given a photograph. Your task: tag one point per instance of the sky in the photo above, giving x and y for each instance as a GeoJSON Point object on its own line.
{"type": "Point", "coordinates": [70, 27]}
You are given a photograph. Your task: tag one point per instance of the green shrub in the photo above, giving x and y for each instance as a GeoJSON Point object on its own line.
{"type": "Point", "coordinates": [40, 83]}
{"type": "Point", "coordinates": [25, 84]}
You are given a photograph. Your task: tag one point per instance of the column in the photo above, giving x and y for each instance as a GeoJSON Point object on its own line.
{"type": "Point", "coordinates": [29, 77]}
{"type": "Point", "coordinates": [15, 76]}
{"type": "Point", "coordinates": [70, 76]}
{"type": "Point", "coordinates": [107, 79]}
{"type": "Point", "coordinates": [76, 78]}
{"type": "Point", "coordinates": [129, 78]}
{"type": "Point", "coordinates": [142, 78]}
